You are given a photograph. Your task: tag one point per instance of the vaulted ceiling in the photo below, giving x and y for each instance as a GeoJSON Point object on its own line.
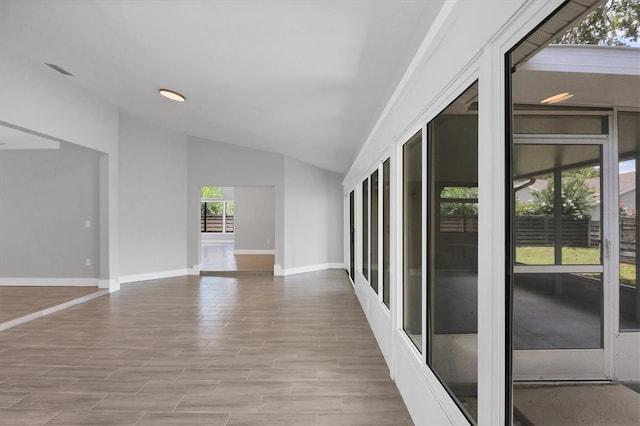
{"type": "Point", "coordinates": [306, 79]}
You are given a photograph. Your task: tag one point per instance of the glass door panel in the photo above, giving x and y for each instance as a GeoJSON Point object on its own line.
{"type": "Point", "coordinates": [557, 311]}
{"type": "Point", "coordinates": [559, 270]}
{"type": "Point", "coordinates": [557, 219]}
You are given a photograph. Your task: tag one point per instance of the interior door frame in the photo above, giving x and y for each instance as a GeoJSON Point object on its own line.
{"type": "Point", "coordinates": [580, 364]}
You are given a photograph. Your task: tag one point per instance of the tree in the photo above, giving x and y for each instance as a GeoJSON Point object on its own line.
{"type": "Point", "coordinates": [614, 23]}
{"type": "Point", "coordinates": [576, 198]}
{"type": "Point", "coordinates": [211, 192]}
{"type": "Point", "coordinates": [213, 208]}
{"type": "Point", "coordinates": [459, 207]}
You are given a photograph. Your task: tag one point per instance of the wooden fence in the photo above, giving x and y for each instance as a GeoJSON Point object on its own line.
{"type": "Point", "coordinates": [530, 230]}
{"type": "Point", "coordinates": [215, 223]}
{"type": "Point", "coordinates": [628, 239]}
{"type": "Point", "coordinates": [540, 231]}
{"type": "Point", "coordinates": [459, 224]}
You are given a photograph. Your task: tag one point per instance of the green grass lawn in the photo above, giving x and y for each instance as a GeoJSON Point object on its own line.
{"type": "Point", "coordinates": [572, 256]}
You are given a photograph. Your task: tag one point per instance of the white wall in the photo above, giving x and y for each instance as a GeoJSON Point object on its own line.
{"type": "Point", "coordinates": [309, 237]}
{"type": "Point", "coordinates": [254, 219]}
{"type": "Point", "coordinates": [215, 163]}
{"type": "Point", "coordinates": [228, 192]}
{"type": "Point", "coordinates": [37, 99]}
{"type": "Point", "coordinates": [152, 199]}
{"type": "Point", "coordinates": [45, 198]}
{"type": "Point", "coordinates": [313, 206]}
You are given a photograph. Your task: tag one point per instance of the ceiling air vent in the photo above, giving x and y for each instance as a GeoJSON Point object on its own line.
{"type": "Point", "coordinates": [59, 69]}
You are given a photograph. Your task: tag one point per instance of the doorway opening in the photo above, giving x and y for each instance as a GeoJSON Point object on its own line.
{"type": "Point", "coordinates": [237, 229]}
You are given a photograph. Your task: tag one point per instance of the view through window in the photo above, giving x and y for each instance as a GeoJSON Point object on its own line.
{"type": "Point", "coordinates": [216, 214]}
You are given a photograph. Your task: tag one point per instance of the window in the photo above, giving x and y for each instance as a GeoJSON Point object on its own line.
{"type": "Point", "coordinates": [216, 214]}
{"type": "Point", "coordinates": [374, 231]}
{"type": "Point", "coordinates": [386, 231]}
{"type": "Point", "coordinates": [229, 208]}
{"type": "Point", "coordinates": [412, 239]}
{"type": "Point", "coordinates": [352, 235]}
{"type": "Point", "coordinates": [365, 228]}
{"type": "Point", "coordinates": [452, 249]}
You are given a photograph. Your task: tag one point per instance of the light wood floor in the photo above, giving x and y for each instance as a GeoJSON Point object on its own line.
{"type": "Point", "coordinates": [251, 350]}
{"type": "Point", "coordinates": [16, 302]}
{"type": "Point", "coordinates": [220, 257]}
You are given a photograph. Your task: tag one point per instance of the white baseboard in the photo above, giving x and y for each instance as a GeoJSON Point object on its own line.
{"type": "Point", "coordinates": [195, 270]}
{"type": "Point", "coordinates": [51, 310]}
{"type": "Point", "coordinates": [278, 271]}
{"type": "Point", "coordinates": [254, 252]}
{"type": "Point", "coordinates": [153, 275]}
{"type": "Point", "coordinates": [49, 282]}
{"type": "Point", "coordinates": [111, 285]}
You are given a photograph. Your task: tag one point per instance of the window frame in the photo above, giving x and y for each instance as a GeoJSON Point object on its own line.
{"type": "Point", "coordinates": [224, 202]}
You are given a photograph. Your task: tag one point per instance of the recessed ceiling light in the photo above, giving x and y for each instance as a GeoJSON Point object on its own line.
{"type": "Point", "coordinates": [174, 96]}
{"type": "Point", "coordinates": [557, 98]}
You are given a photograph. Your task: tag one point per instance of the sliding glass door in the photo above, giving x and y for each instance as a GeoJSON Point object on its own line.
{"type": "Point", "coordinates": [561, 248]}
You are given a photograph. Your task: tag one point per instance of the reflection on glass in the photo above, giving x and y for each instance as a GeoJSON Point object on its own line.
{"type": "Point", "coordinates": [452, 280]}
{"type": "Point", "coordinates": [365, 228]}
{"type": "Point", "coordinates": [558, 208]}
{"type": "Point", "coordinates": [386, 228]}
{"type": "Point", "coordinates": [352, 235]}
{"type": "Point", "coordinates": [544, 318]}
{"type": "Point", "coordinates": [374, 231]}
{"type": "Point", "coordinates": [412, 238]}
{"type": "Point", "coordinates": [629, 148]}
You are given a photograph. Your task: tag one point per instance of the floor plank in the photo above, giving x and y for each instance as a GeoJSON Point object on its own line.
{"type": "Point", "coordinates": [220, 257]}
{"type": "Point", "coordinates": [249, 349]}
{"type": "Point", "coordinates": [18, 301]}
